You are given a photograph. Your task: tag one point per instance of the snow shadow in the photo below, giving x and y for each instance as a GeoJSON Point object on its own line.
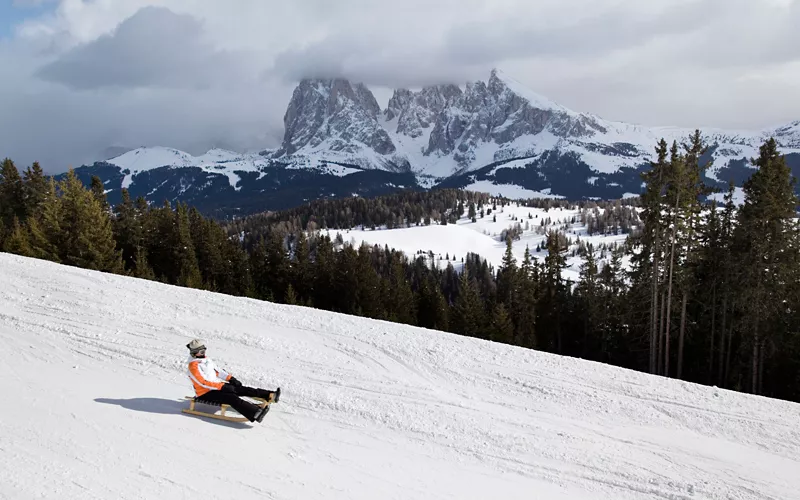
{"type": "Point", "coordinates": [165, 407]}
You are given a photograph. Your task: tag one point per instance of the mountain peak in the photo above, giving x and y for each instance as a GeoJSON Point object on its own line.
{"type": "Point", "coordinates": [333, 115]}
{"type": "Point", "coordinates": [500, 81]}
{"type": "Point", "coordinates": [416, 111]}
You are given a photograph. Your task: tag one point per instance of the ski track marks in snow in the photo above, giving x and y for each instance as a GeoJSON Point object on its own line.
{"type": "Point", "coordinates": [369, 409]}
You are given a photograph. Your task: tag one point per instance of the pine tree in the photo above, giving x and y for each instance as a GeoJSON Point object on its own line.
{"type": "Point", "coordinates": [766, 240]}
{"type": "Point", "coordinates": [128, 229]}
{"type": "Point", "coordinates": [507, 277]}
{"type": "Point", "coordinates": [99, 193]}
{"type": "Point", "coordinates": [88, 240]}
{"type": "Point", "coordinates": [324, 263]}
{"type": "Point", "coordinates": [526, 303]}
{"type": "Point", "coordinates": [291, 296]}
{"type": "Point", "coordinates": [35, 188]}
{"type": "Point", "coordinates": [302, 271]}
{"type": "Point", "coordinates": [141, 268]}
{"type": "Point", "coordinates": [208, 240]}
{"type": "Point", "coordinates": [12, 202]}
{"type": "Point", "coordinates": [401, 304]}
{"type": "Point", "coordinates": [44, 226]}
{"type": "Point", "coordinates": [43, 246]}
{"type": "Point", "coordinates": [588, 292]}
{"type": "Point", "coordinates": [695, 189]}
{"type": "Point", "coordinates": [432, 308]}
{"type": "Point", "coordinates": [502, 326]}
{"type": "Point", "coordinates": [17, 241]}
{"type": "Point", "coordinates": [467, 316]}
{"type": "Point", "coordinates": [648, 261]}
{"type": "Point", "coordinates": [613, 308]}
{"type": "Point", "coordinates": [369, 284]}
{"type": "Point", "coordinates": [187, 270]}
{"type": "Point", "coordinates": [259, 272]}
{"type": "Point", "coordinates": [553, 292]}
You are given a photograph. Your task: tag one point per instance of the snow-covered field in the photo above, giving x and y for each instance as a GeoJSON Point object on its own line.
{"type": "Point", "coordinates": [483, 237]}
{"type": "Point", "coordinates": [95, 377]}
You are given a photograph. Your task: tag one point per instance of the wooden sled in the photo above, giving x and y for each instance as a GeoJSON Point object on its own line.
{"type": "Point", "coordinates": [223, 407]}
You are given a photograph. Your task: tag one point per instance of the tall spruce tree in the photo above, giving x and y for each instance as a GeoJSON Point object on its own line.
{"type": "Point", "coordinates": [99, 193]}
{"type": "Point", "coordinates": [553, 293]}
{"type": "Point", "coordinates": [35, 189]}
{"type": "Point", "coordinates": [589, 297]}
{"type": "Point", "coordinates": [17, 240]}
{"type": "Point", "coordinates": [647, 262]}
{"type": "Point", "coordinates": [187, 270]}
{"type": "Point", "coordinates": [468, 317]}
{"type": "Point", "coordinates": [85, 229]}
{"type": "Point", "coordinates": [12, 200]}
{"type": "Point", "coordinates": [766, 243]}
{"type": "Point", "coordinates": [525, 310]}
{"type": "Point", "coordinates": [44, 226]}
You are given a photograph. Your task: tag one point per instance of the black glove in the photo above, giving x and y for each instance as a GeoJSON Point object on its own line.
{"type": "Point", "coordinates": [234, 382]}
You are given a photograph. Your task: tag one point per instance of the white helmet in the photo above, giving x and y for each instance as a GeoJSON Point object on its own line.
{"type": "Point", "coordinates": [196, 346]}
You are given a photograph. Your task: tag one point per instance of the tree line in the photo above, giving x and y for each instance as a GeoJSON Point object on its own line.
{"type": "Point", "coordinates": [711, 293]}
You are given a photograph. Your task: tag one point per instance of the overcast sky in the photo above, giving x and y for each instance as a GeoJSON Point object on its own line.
{"type": "Point", "coordinates": [80, 76]}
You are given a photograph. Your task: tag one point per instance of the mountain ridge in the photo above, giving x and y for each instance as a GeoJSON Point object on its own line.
{"type": "Point", "coordinates": [496, 135]}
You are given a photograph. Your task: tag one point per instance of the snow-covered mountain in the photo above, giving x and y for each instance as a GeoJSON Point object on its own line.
{"type": "Point", "coordinates": [443, 131]}
{"type": "Point", "coordinates": [496, 136]}
{"type": "Point", "coordinates": [225, 183]}
{"type": "Point", "coordinates": [96, 380]}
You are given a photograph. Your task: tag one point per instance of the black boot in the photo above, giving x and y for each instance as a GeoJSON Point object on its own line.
{"type": "Point", "coordinates": [271, 396]}
{"type": "Point", "coordinates": [260, 415]}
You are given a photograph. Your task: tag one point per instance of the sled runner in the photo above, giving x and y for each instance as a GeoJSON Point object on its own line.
{"type": "Point", "coordinates": [223, 407]}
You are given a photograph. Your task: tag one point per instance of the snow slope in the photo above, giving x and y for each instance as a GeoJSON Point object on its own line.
{"type": "Point", "coordinates": [215, 161]}
{"type": "Point", "coordinates": [94, 365]}
{"type": "Point", "coordinates": [483, 237]}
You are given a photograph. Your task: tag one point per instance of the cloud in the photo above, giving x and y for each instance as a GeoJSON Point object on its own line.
{"type": "Point", "coordinates": [153, 48]}
{"type": "Point", "coordinates": [593, 33]}
{"type": "Point", "coordinates": [84, 75]}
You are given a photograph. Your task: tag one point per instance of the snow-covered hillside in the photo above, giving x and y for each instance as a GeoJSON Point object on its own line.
{"type": "Point", "coordinates": [215, 161]}
{"type": "Point", "coordinates": [95, 380]}
{"type": "Point", "coordinates": [483, 237]}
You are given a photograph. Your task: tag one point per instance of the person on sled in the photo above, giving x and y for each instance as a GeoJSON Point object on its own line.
{"type": "Point", "coordinates": [215, 385]}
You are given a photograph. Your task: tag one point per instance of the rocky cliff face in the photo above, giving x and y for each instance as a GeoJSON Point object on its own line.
{"type": "Point", "coordinates": [498, 113]}
{"type": "Point", "coordinates": [417, 111]}
{"type": "Point", "coordinates": [334, 115]}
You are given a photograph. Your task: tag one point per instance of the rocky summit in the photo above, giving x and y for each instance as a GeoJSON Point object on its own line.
{"type": "Point", "coordinates": [495, 135]}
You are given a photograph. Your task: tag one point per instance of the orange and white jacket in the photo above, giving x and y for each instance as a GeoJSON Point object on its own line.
{"type": "Point", "coordinates": [205, 375]}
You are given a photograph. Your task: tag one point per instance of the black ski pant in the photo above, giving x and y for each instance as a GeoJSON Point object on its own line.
{"type": "Point", "coordinates": [229, 395]}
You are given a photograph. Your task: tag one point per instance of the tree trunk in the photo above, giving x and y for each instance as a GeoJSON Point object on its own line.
{"type": "Point", "coordinates": [728, 355]}
{"type": "Point", "coordinates": [661, 337]}
{"type": "Point", "coordinates": [761, 367]}
{"type": "Point", "coordinates": [669, 287]}
{"type": "Point", "coordinates": [654, 307]}
{"type": "Point", "coordinates": [721, 374]}
{"type": "Point", "coordinates": [713, 332]}
{"type": "Point", "coordinates": [756, 342]}
{"type": "Point", "coordinates": [681, 335]}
